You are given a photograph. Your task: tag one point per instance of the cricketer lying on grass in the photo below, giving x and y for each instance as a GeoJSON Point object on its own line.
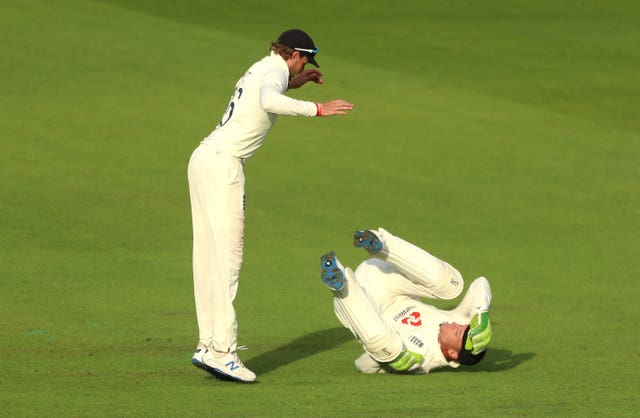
{"type": "Point", "coordinates": [380, 304]}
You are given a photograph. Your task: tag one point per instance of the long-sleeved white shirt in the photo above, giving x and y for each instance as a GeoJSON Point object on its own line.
{"type": "Point", "coordinates": [257, 100]}
{"type": "Point", "coordinates": [418, 325]}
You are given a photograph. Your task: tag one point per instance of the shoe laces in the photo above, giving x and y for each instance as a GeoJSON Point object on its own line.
{"type": "Point", "coordinates": [238, 348]}
{"type": "Point", "coordinates": [232, 353]}
{"type": "Point", "coordinates": [236, 358]}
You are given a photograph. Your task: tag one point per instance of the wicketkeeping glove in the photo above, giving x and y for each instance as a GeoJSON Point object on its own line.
{"type": "Point", "coordinates": [405, 361]}
{"type": "Point", "coordinates": [480, 333]}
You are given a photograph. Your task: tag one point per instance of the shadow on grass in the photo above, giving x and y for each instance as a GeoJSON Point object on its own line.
{"type": "Point", "coordinates": [304, 346]}
{"type": "Point", "coordinates": [496, 360]}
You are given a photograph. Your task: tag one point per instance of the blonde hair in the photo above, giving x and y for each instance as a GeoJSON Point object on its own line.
{"type": "Point", "coordinates": [284, 51]}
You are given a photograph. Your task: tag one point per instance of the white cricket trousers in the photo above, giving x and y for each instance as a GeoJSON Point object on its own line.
{"type": "Point", "coordinates": [409, 270]}
{"type": "Point", "coordinates": [399, 269]}
{"type": "Point", "coordinates": [216, 188]}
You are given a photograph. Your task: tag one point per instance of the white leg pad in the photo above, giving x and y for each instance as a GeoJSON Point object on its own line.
{"type": "Point", "coordinates": [357, 313]}
{"type": "Point", "coordinates": [437, 278]}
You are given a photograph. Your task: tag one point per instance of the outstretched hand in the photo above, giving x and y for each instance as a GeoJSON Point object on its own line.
{"type": "Point", "coordinates": [334, 107]}
{"type": "Point", "coordinates": [301, 79]}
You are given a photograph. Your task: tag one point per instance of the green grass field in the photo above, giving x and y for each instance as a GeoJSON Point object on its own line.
{"type": "Point", "coordinates": [502, 136]}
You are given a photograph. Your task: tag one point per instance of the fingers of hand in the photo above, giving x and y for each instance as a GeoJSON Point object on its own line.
{"type": "Point", "coordinates": [480, 333]}
{"type": "Point", "coordinates": [481, 340]}
{"type": "Point", "coordinates": [336, 107]}
{"type": "Point", "coordinates": [341, 105]}
{"type": "Point", "coordinates": [312, 71]}
{"type": "Point", "coordinates": [405, 361]}
{"type": "Point", "coordinates": [478, 323]}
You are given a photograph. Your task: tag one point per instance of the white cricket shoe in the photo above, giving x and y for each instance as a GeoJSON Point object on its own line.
{"type": "Point", "coordinates": [226, 366]}
{"type": "Point", "coordinates": [196, 360]}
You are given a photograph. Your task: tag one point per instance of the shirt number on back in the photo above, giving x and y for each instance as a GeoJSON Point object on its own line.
{"type": "Point", "coordinates": [229, 112]}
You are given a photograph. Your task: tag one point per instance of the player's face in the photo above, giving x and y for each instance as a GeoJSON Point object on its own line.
{"type": "Point", "coordinates": [298, 63]}
{"type": "Point", "coordinates": [450, 335]}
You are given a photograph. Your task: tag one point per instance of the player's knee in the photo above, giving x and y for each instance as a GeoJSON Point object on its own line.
{"type": "Point", "coordinates": [453, 283]}
{"type": "Point", "coordinates": [384, 345]}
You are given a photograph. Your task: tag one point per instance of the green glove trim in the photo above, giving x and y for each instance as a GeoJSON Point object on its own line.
{"type": "Point", "coordinates": [480, 333]}
{"type": "Point", "coordinates": [405, 361]}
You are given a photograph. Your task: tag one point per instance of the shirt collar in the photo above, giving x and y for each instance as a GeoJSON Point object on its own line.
{"type": "Point", "coordinates": [281, 62]}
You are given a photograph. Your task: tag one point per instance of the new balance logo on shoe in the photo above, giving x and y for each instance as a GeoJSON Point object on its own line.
{"type": "Point", "coordinates": [227, 366]}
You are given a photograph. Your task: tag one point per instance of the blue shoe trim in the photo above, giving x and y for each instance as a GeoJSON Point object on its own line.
{"type": "Point", "coordinates": [221, 375]}
{"type": "Point", "coordinates": [331, 274]}
{"type": "Point", "coordinates": [367, 240]}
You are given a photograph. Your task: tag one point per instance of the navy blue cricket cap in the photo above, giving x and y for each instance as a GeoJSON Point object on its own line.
{"type": "Point", "coordinates": [300, 41]}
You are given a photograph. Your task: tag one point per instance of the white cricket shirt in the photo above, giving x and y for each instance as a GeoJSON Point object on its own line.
{"type": "Point", "coordinates": [254, 106]}
{"type": "Point", "coordinates": [418, 324]}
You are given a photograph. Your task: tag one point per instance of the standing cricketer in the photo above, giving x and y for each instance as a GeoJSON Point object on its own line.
{"type": "Point", "coordinates": [380, 304]}
{"type": "Point", "coordinates": [217, 190]}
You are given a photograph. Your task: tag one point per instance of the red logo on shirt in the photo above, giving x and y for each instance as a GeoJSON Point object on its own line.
{"type": "Point", "coordinates": [413, 319]}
